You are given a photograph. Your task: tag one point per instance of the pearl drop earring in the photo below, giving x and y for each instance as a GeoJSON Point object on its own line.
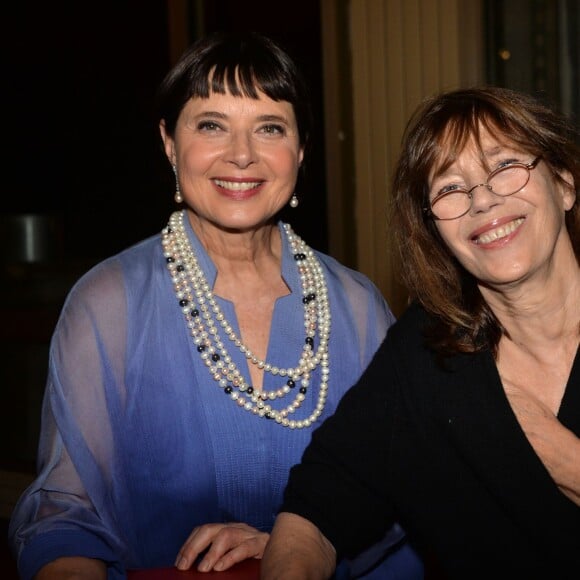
{"type": "Point", "coordinates": [294, 201]}
{"type": "Point", "coordinates": [178, 197]}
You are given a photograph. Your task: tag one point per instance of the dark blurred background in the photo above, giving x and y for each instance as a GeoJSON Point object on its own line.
{"type": "Point", "coordinates": [81, 143]}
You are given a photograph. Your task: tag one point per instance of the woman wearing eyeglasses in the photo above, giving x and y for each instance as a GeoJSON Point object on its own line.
{"type": "Point", "coordinates": [465, 427]}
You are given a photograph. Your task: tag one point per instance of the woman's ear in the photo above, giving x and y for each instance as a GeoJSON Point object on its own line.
{"type": "Point", "coordinates": [168, 143]}
{"type": "Point", "coordinates": [300, 156]}
{"type": "Point", "coordinates": [567, 189]}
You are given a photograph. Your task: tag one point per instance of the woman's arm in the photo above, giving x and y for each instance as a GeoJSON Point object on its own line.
{"type": "Point", "coordinates": [73, 569]}
{"type": "Point", "coordinates": [297, 549]}
{"type": "Point", "coordinates": [67, 510]}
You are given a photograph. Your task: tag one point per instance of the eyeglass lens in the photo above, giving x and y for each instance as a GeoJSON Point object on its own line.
{"type": "Point", "coordinates": [502, 182]}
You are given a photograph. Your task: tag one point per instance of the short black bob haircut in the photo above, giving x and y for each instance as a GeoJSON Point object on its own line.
{"type": "Point", "coordinates": [238, 63]}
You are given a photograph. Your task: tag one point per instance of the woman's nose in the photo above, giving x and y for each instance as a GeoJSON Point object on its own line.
{"type": "Point", "coordinates": [241, 150]}
{"type": "Point", "coordinates": [483, 198]}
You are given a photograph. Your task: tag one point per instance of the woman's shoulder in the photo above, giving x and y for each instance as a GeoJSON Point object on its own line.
{"type": "Point", "coordinates": [414, 316]}
{"type": "Point", "coordinates": [410, 326]}
{"type": "Point", "coordinates": [347, 276]}
{"type": "Point", "coordinates": [108, 278]}
{"type": "Point", "coordinates": [409, 338]}
{"type": "Point", "coordinates": [357, 292]}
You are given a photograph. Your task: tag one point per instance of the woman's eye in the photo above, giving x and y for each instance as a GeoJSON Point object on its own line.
{"type": "Point", "coordinates": [507, 163]}
{"type": "Point", "coordinates": [272, 129]}
{"type": "Point", "coordinates": [449, 188]}
{"type": "Point", "coordinates": [446, 190]}
{"type": "Point", "coordinates": [208, 126]}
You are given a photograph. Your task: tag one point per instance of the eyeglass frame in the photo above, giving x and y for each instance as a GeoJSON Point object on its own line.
{"type": "Point", "coordinates": [469, 192]}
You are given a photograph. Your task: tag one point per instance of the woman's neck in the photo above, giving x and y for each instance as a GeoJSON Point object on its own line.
{"type": "Point", "coordinates": [540, 311]}
{"type": "Point", "coordinates": [238, 250]}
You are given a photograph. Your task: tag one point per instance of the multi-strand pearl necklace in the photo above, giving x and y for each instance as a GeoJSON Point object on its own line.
{"type": "Point", "coordinates": [205, 321]}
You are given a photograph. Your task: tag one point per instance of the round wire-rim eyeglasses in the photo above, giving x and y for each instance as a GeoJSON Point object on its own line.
{"type": "Point", "coordinates": [469, 192]}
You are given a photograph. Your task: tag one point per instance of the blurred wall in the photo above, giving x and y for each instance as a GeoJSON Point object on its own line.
{"type": "Point", "coordinates": [400, 51]}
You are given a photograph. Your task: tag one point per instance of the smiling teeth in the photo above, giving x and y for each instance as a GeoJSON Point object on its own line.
{"type": "Point", "coordinates": [499, 233]}
{"type": "Point", "coordinates": [237, 185]}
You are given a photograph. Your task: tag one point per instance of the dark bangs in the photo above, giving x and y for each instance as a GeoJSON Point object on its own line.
{"type": "Point", "coordinates": [466, 119]}
{"type": "Point", "coordinates": [241, 65]}
{"type": "Point", "coordinates": [242, 68]}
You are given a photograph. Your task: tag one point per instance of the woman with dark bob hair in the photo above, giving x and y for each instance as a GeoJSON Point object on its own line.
{"type": "Point", "coordinates": [188, 372]}
{"type": "Point", "coordinates": [465, 426]}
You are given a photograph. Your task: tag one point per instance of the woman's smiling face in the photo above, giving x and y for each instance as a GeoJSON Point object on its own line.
{"type": "Point", "coordinates": [237, 158]}
{"type": "Point", "coordinates": [503, 240]}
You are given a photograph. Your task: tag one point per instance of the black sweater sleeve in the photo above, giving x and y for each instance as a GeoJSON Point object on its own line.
{"type": "Point", "coordinates": [342, 484]}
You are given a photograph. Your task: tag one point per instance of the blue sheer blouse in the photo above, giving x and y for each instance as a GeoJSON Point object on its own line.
{"type": "Point", "coordinates": [138, 443]}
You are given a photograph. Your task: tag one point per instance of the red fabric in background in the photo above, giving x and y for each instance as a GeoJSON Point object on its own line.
{"type": "Point", "coordinates": [246, 570]}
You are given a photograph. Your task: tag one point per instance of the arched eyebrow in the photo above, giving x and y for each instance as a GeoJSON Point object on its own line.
{"type": "Point", "coordinates": [273, 119]}
{"type": "Point", "coordinates": [493, 151]}
{"type": "Point", "coordinates": [212, 114]}
{"type": "Point", "coordinates": [261, 118]}
{"type": "Point", "coordinates": [485, 154]}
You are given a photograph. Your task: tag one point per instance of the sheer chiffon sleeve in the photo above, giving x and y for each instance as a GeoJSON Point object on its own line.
{"type": "Point", "coordinates": [68, 509]}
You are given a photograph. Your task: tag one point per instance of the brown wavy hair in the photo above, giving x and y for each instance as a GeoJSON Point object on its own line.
{"type": "Point", "coordinates": [436, 134]}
